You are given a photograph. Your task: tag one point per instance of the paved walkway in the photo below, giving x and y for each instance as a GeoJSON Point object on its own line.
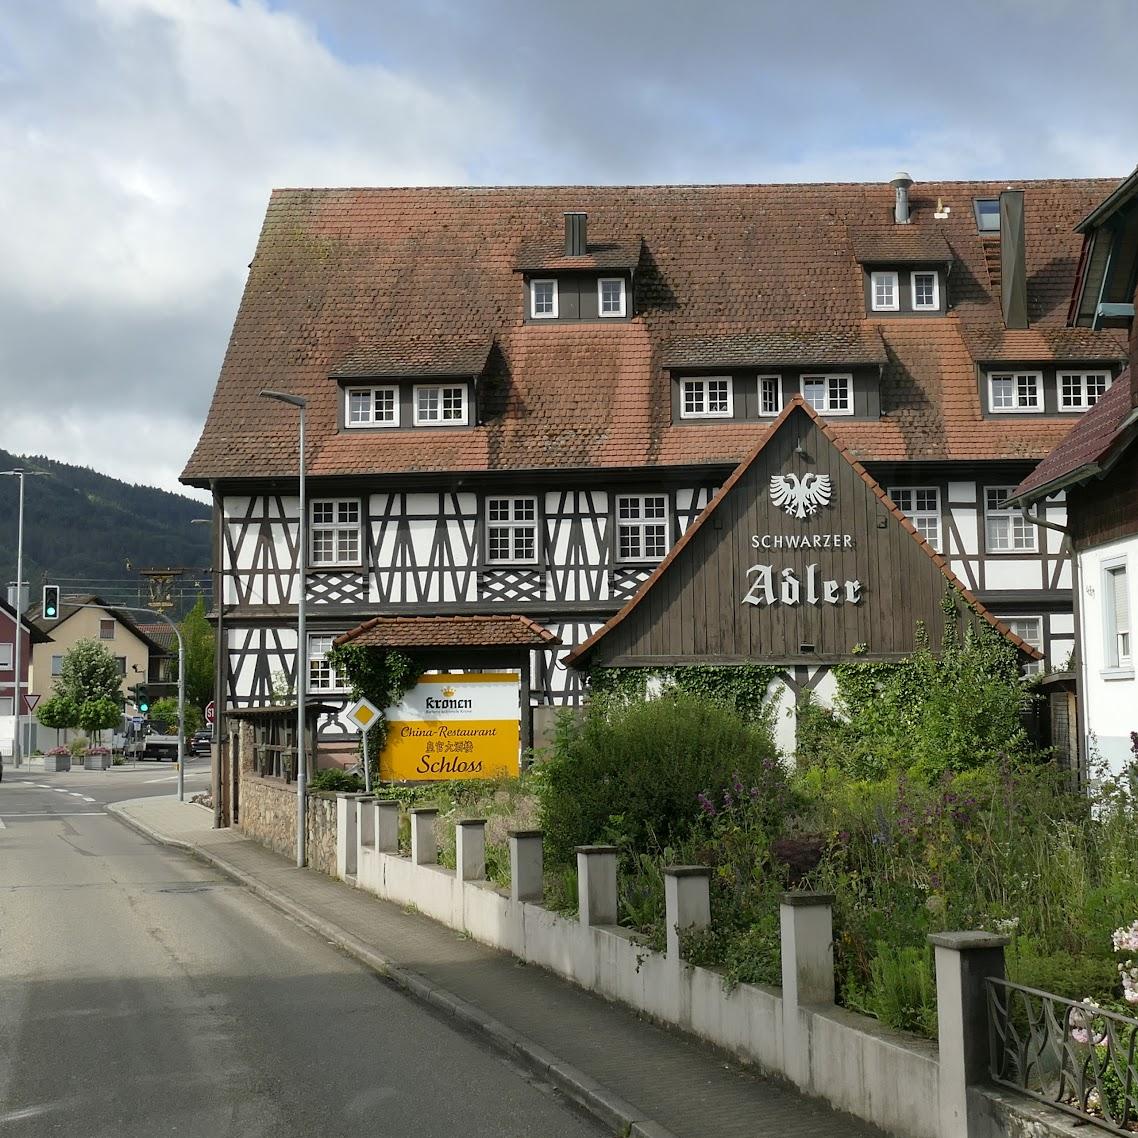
{"type": "Point", "coordinates": [640, 1079]}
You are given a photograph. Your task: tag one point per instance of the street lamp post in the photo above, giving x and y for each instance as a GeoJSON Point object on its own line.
{"type": "Point", "coordinates": [17, 702]}
{"type": "Point", "coordinates": [301, 645]}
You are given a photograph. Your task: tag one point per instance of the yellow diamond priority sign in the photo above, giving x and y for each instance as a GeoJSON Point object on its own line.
{"type": "Point", "coordinates": [363, 713]}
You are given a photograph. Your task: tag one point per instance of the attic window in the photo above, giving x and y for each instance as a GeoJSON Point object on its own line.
{"type": "Point", "coordinates": [884, 292]}
{"type": "Point", "coordinates": [709, 398]}
{"type": "Point", "coordinates": [543, 299]}
{"type": "Point", "coordinates": [925, 288]}
{"type": "Point", "coordinates": [440, 404]}
{"type": "Point", "coordinates": [610, 296]}
{"type": "Point", "coordinates": [987, 214]}
{"type": "Point", "coordinates": [1080, 390]}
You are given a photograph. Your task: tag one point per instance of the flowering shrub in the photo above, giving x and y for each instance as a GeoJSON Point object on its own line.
{"type": "Point", "coordinates": [57, 751]}
{"type": "Point", "coordinates": [1125, 939]}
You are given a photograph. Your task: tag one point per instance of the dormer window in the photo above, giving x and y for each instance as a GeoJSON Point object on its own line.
{"type": "Point", "coordinates": [1079, 391]}
{"type": "Point", "coordinates": [925, 290]}
{"type": "Point", "coordinates": [610, 296]}
{"type": "Point", "coordinates": [770, 395]}
{"type": "Point", "coordinates": [1015, 392]}
{"type": "Point", "coordinates": [830, 394]}
{"type": "Point", "coordinates": [987, 214]}
{"type": "Point", "coordinates": [372, 407]}
{"type": "Point", "coordinates": [883, 292]}
{"type": "Point", "coordinates": [543, 299]}
{"type": "Point", "coordinates": [709, 397]}
{"type": "Point", "coordinates": [440, 405]}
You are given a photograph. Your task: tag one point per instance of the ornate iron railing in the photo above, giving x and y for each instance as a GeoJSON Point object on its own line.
{"type": "Point", "coordinates": [1076, 1057]}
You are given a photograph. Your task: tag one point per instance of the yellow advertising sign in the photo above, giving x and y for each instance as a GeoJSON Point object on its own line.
{"type": "Point", "coordinates": [461, 725]}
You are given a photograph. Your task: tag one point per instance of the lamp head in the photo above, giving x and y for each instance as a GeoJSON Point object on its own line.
{"type": "Point", "coordinates": [283, 397]}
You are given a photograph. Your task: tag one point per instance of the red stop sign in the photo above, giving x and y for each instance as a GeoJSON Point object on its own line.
{"type": "Point", "coordinates": [210, 713]}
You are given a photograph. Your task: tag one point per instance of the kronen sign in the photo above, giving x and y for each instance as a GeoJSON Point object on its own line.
{"type": "Point", "coordinates": [458, 725]}
{"type": "Point", "coordinates": [801, 498]}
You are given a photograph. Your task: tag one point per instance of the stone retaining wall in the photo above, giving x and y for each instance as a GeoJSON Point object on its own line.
{"type": "Point", "coordinates": [268, 816]}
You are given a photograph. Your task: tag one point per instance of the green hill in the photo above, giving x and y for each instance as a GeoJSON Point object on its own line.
{"type": "Point", "coordinates": [92, 533]}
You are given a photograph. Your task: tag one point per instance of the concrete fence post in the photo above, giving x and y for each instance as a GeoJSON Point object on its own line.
{"type": "Point", "coordinates": [346, 809]}
{"type": "Point", "coordinates": [964, 960]}
{"type": "Point", "coordinates": [687, 902]}
{"type": "Point", "coordinates": [470, 849]}
{"type": "Point", "coordinates": [806, 924]}
{"type": "Point", "coordinates": [527, 866]}
{"type": "Point", "coordinates": [365, 821]}
{"type": "Point", "coordinates": [596, 884]}
{"type": "Point", "coordinates": [387, 826]}
{"type": "Point", "coordinates": [424, 847]}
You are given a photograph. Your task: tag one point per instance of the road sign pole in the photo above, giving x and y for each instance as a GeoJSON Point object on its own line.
{"type": "Point", "coordinates": [367, 765]}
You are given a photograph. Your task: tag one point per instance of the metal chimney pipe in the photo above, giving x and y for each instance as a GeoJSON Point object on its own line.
{"type": "Point", "coordinates": [901, 183]}
{"type": "Point", "coordinates": [575, 240]}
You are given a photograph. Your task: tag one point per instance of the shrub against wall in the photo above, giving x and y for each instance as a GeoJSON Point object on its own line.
{"type": "Point", "coordinates": [635, 769]}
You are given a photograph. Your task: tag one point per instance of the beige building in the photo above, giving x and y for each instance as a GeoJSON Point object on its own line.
{"type": "Point", "coordinates": [136, 653]}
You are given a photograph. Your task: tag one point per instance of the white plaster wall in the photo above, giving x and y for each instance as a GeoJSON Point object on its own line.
{"type": "Point", "coordinates": [1110, 700]}
{"type": "Point", "coordinates": [784, 717]}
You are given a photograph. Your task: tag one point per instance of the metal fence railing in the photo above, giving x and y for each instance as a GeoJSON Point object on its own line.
{"type": "Point", "coordinates": [1073, 1056]}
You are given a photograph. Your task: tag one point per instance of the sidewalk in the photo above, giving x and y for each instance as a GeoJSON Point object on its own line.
{"type": "Point", "coordinates": [635, 1077]}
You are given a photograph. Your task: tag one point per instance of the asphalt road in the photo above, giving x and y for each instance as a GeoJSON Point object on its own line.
{"type": "Point", "coordinates": [142, 994]}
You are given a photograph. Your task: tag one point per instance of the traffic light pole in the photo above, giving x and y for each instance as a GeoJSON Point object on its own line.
{"type": "Point", "coordinates": [181, 686]}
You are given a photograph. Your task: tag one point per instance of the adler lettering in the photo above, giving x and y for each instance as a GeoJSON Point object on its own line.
{"type": "Point", "coordinates": [788, 588]}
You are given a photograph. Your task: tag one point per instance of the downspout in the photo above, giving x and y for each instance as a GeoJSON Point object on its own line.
{"type": "Point", "coordinates": [221, 659]}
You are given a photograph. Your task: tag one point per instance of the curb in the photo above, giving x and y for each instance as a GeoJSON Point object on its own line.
{"type": "Point", "coordinates": [584, 1090]}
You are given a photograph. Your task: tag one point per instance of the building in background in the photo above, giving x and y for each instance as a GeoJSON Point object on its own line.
{"type": "Point", "coordinates": [519, 400]}
{"type": "Point", "coordinates": [29, 635]}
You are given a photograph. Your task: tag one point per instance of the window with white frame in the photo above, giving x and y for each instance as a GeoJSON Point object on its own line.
{"type": "Point", "coordinates": [1015, 391]}
{"type": "Point", "coordinates": [7, 655]}
{"type": "Point", "coordinates": [1030, 630]}
{"type": "Point", "coordinates": [610, 296]}
{"type": "Point", "coordinates": [770, 395]}
{"type": "Point", "coordinates": [511, 530]}
{"type": "Point", "coordinates": [1079, 390]}
{"type": "Point", "coordinates": [334, 537]}
{"type": "Point", "coordinates": [57, 665]}
{"type": "Point", "coordinates": [440, 405]}
{"type": "Point", "coordinates": [883, 292]}
{"type": "Point", "coordinates": [924, 287]}
{"type": "Point", "coordinates": [322, 676]}
{"type": "Point", "coordinates": [921, 505]}
{"type": "Point", "coordinates": [1116, 614]}
{"type": "Point", "coordinates": [372, 407]}
{"type": "Point", "coordinates": [543, 300]}
{"type": "Point", "coordinates": [1006, 529]}
{"type": "Point", "coordinates": [709, 397]}
{"type": "Point", "coordinates": [641, 527]}
{"type": "Point", "coordinates": [832, 394]}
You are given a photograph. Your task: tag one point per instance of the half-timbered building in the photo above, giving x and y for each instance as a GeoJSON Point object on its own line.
{"type": "Point", "coordinates": [519, 400]}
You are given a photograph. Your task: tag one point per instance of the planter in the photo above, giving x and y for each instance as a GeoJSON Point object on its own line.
{"type": "Point", "coordinates": [56, 762]}
{"type": "Point", "coordinates": [97, 762]}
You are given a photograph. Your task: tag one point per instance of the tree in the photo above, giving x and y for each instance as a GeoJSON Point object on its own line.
{"type": "Point", "coordinates": [199, 641]}
{"type": "Point", "coordinates": [99, 714]}
{"type": "Point", "coordinates": [164, 714]}
{"type": "Point", "coordinates": [59, 713]}
{"type": "Point", "coordinates": [89, 672]}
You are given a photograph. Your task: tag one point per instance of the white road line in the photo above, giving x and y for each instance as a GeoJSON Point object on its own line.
{"type": "Point", "coordinates": [58, 814]}
{"type": "Point", "coordinates": [86, 799]}
{"type": "Point", "coordinates": [2, 826]}
{"type": "Point", "coordinates": [60, 790]}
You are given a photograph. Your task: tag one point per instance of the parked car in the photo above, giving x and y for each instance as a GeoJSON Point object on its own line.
{"type": "Point", "coordinates": [201, 742]}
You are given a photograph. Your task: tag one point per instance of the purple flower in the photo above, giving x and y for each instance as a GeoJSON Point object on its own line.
{"type": "Point", "coordinates": [706, 805]}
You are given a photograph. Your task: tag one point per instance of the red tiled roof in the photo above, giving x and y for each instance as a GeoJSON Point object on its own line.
{"type": "Point", "coordinates": [577, 658]}
{"type": "Point", "coordinates": [339, 270]}
{"type": "Point", "coordinates": [449, 632]}
{"type": "Point", "coordinates": [1087, 445]}
{"type": "Point", "coordinates": [901, 244]}
{"type": "Point", "coordinates": [1029, 345]}
{"type": "Point", "coordinates": [546, 256]}
{"type": "Point", "coordinates": [439, 355]}
{"type": "Point", "coordinates": [774, 349]}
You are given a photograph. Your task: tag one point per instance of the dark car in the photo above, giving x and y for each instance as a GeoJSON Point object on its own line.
{"type": "Point", "coordinates": [201, 742]}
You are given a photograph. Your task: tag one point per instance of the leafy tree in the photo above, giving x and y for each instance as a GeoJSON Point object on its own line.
{"type": "Point", "coordinates": [99, 714]}
{"type": "Point", "coordinates": [59, 713]}
{"type": "Point", "coordinates": [200, 646]}
{"type": "Point", "coordinates": [164, 715]}
{"type": "Point", "coordinates": [89, 672]}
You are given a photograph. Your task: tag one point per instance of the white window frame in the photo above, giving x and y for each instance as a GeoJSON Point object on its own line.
{"type": "Point", "coordinates": [1082, 377]}
{"type": "Point", "coordinates": [7, 655]}
{"type": "Point", "coordinates": [1015, 520]}
{"type": "Point", "coordinates": [1032, 667]}
{"type": "Point", "coordinates": [827, 377]}
{"type": "Point", "coordinates": [440, 388]}
{"type": "Point", "coordinates": [703, 382]}
{"type": "Point", "coordinates": [371, 393]}
{"type": "Point", "coordinates": [776, 380]}
{"type": "Point", "coordinates": [322, 678]}
{"type": "Point", "coordinates": [1015, 377]}
{"type": "Point", "coordinates": [534, 314]}
{"type": "Point", "coordinates": [513, 526]}
{"type": "Point", "coordinates": [1118, 653]}
{"type": "Point", "coordinates": [883, 275]}
{"type": "Point", "coordinates": [601, 282]}
{"type": "Point", "coordinates": [641, 525]}
{"type": "Point", "coordinates": [935, 306]}
{"type": "Point", "coordinates": [338, 527]}
{"type": "Point", "coordinates": [914, 515]}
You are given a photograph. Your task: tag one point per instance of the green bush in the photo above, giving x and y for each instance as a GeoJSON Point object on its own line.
{"type": "Point", "coordinates": [335, 779]}
{"type": "Point", "coordinates": [901, 991]}
{"type": "Point", "coordinates": [1075, 976]}
{"type": "Point", "coordinates": [644, 763]}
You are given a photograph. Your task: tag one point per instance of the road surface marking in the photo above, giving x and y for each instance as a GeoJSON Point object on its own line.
{"type": "Point", "coordinates": [2, 826]}
{"type": "Point", "coordinates": [57, 814]}
{"type": "Point", "coordinates": [86, 799]}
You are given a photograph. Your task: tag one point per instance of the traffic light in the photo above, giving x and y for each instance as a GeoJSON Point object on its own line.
{"type": "Point", "coordinates": [141, 698]}
{"type": "Point", "coordinates": [50, 606]}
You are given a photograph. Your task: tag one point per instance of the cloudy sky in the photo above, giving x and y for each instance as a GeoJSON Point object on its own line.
{"type": "Point", "coordinates": [139, 140]}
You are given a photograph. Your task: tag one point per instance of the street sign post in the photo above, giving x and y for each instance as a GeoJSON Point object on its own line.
{"type": "Point", "coordinates": [364, 714]}
{"type": "Point", "coordinates": [30, 701]}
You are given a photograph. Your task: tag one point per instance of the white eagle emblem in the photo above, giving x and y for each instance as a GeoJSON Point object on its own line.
{"type": "Point", "coordinates": [800, 496]}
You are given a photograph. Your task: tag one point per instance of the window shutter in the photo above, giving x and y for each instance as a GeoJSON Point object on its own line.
{"type": "Point", "coordinates": [1120, 599]}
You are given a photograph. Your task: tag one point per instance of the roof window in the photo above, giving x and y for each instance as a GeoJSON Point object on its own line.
{"type": "Point", "coordinates": [987, 214]}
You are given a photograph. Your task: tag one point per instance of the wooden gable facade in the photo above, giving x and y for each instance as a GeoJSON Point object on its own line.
{"type": "Point", "coordinates": [801, 559]}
